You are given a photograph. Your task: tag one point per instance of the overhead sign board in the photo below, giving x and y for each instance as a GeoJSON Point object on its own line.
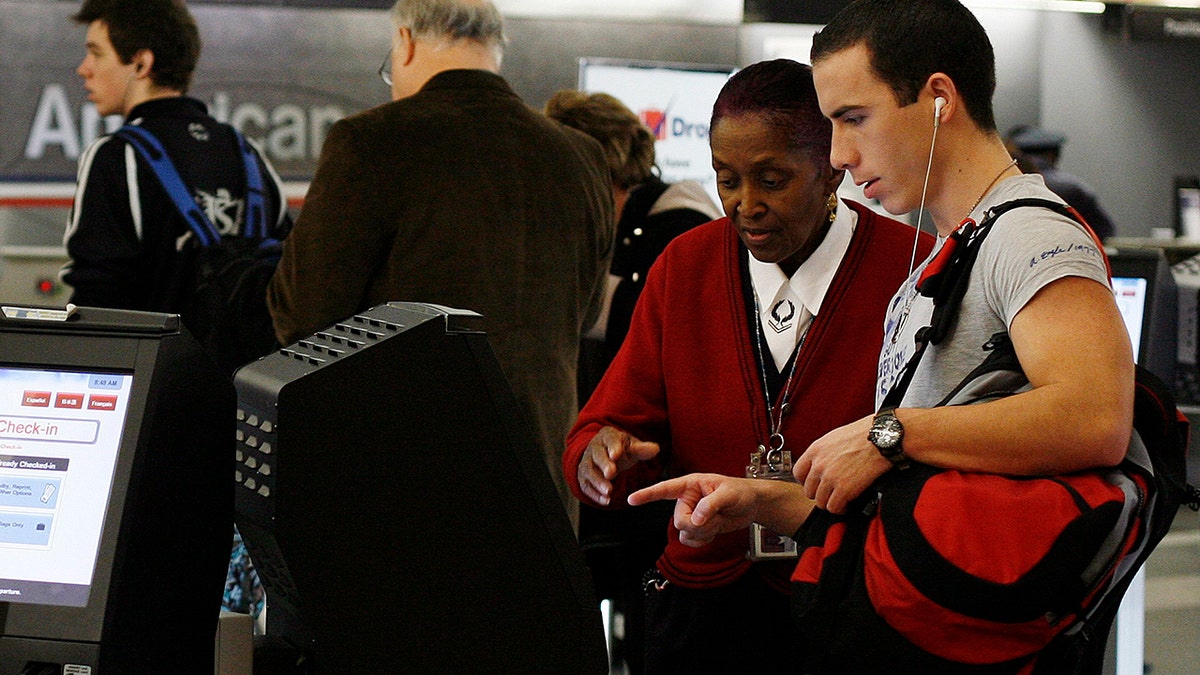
{"type": "Point", "coordinates": [675, 100]}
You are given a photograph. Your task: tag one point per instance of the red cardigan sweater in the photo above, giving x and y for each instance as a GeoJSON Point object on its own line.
{"type": "Point", "coordinates": [687, 376]}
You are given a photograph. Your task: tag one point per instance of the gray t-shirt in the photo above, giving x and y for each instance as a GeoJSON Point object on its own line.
{"type": "Point", "coordinates": [1027, 249]}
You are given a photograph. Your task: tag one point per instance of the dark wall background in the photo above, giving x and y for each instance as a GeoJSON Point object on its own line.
{"type": "Point", "coordinates": [543, 55]}
{"type": "Point", "coordinates": [791, 11]}
{"type": "Point", "coordinates": [1127, 106]}
{"type": "Point", "coordinates": [1130, 110]}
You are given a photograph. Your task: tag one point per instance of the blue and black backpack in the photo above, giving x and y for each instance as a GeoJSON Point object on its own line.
{"type": "Point", "coordinates": [226, 308]}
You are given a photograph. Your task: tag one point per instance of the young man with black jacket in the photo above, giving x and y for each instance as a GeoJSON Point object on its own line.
{"type": "Point", "coordinates": [129, 247]}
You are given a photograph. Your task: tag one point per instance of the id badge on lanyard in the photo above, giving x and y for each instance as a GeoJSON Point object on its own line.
{"type": "Point", "coordinates": [770, 463]}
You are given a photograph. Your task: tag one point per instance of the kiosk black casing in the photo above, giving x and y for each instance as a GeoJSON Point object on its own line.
{"type": "Point", "coordinates": [398, 511]}
{"type": "Point", "coordinates": [165, 544]}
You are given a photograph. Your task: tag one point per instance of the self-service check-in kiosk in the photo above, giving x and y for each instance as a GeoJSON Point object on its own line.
{"type": "Point", "coordinates": [397, 509]}
{"type": "Point", "coordinates": [116, 512]}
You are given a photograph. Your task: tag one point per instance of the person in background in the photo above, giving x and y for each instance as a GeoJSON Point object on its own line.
{"type": "Point", "coordinates": [620, 545]}
{"type": "Point", "coordinates": [1038, 151]}
{"type": "Point", "coordinates": [754, 335]}
{"type": "Point", "coordinates": [458, 193]}
{"type": "Point", "coordinates": [880, 68]}
{"type": "Point", "coordinates": [129, 247]}
{"type": "Point", "coordinates": [650, 213]}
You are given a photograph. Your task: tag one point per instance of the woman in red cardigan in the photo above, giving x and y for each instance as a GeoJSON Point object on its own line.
{"type": "Point", "coordinates": [755, 334]}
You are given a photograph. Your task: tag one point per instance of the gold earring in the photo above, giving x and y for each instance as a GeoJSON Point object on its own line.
{"type": "Point", "coordinates": [832, 204]}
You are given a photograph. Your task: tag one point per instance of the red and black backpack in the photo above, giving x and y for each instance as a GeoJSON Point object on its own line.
{"type": "Point", "coordinates": [943, 571]}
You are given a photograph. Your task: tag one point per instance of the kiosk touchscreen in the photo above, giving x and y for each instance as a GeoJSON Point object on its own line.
{"type": "Point", "coordinates": [58, 429]}
{"type": "Point", "coordinates": [116, 444]}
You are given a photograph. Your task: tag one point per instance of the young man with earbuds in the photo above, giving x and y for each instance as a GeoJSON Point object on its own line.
{"type": "Point", "coordinates": [1039, 275]}
{"type": "Point", "coordinates": [908, 85]}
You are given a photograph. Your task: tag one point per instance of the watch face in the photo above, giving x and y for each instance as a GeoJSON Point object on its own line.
{"type": "Point", "coordinates": [887, 437]}
{"type": "Point", "coordinates": [887, 432]}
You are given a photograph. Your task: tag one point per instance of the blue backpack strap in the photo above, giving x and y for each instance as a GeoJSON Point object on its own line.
{"type": "Point", "coordinates": [156, 156]}
{"type": "Point", "coordinates": [255, 226]}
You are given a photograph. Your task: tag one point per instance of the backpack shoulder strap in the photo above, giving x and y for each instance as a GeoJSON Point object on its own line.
{"type": "Point", "coordinates": [1000, 209]}
{"type": "Point", "coordinates": [950, 284]}
{"type": "Point", "coordinates": [949, 273]}
{"type": "Point", "coordinates": [1058, 207]}
{"type": "Point", "coordinates": [152, 150]}
{"type": "Point", "coordinates": [149, 147]}
{"type": "Point", "coordinates": [256, 212]}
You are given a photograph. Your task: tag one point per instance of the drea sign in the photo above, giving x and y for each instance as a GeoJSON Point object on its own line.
{"type": "Point", "coordinates": [681, 128]}
{"type": "Point", "coordinates": [674, 101]}
{"type": "Point", "coordinates": [664, 126]}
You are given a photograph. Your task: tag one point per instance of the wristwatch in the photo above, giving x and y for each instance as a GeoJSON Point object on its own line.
{"type": "Point", "coordinates": [886, 434]}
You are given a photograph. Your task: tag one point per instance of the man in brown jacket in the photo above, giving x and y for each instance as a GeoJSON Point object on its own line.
{"type": "Point", "coordinates": [457, 193]}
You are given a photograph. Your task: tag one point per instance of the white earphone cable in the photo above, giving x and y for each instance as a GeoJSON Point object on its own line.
{"type": "Point", "coordinates": [921, 209]}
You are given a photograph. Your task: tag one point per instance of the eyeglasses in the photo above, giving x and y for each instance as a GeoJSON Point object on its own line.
{"type": "Point", "coordinates": [385, 69]}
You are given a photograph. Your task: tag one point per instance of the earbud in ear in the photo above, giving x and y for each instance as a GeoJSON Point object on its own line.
{"type": "Point", "coordinates": [938, 104]}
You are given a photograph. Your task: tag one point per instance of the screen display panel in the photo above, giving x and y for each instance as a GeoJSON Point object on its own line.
{"type": "Point", "coordinates": [60, 434]}
{"type": "Point", "coordinates": [1132, 294]}
{"type": "Point", "coordinates": [675, 101]}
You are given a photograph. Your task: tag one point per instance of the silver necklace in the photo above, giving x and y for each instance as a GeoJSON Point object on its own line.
{"type": "Point", "coordinates": [771, 453]}
{"type": "Point", "coordinates": [989, 188]}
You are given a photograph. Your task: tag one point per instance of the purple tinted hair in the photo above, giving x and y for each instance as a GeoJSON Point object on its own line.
{"type": "Point", "coordinates": [782, 92]}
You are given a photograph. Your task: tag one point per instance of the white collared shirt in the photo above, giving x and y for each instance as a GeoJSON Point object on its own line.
{"type": "Point", "coordinates": [787, 306]}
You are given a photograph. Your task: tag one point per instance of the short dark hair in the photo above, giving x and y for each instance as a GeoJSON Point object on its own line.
{"type": "Point", "coordinates": [909, 40]}
{"type": "Point", "coordinates": [628, 144]}
{"type": "Point", "coordinates": [165, 27]}
{"type": "Point", "coordinates": [782, 92]}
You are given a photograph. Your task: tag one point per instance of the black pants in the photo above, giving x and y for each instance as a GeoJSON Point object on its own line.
{"type": "Point", "coordinates": [744, 627]}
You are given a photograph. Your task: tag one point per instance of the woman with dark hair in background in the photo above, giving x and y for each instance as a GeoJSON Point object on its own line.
{"type": "Point", "coordinates": [755, 334]}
